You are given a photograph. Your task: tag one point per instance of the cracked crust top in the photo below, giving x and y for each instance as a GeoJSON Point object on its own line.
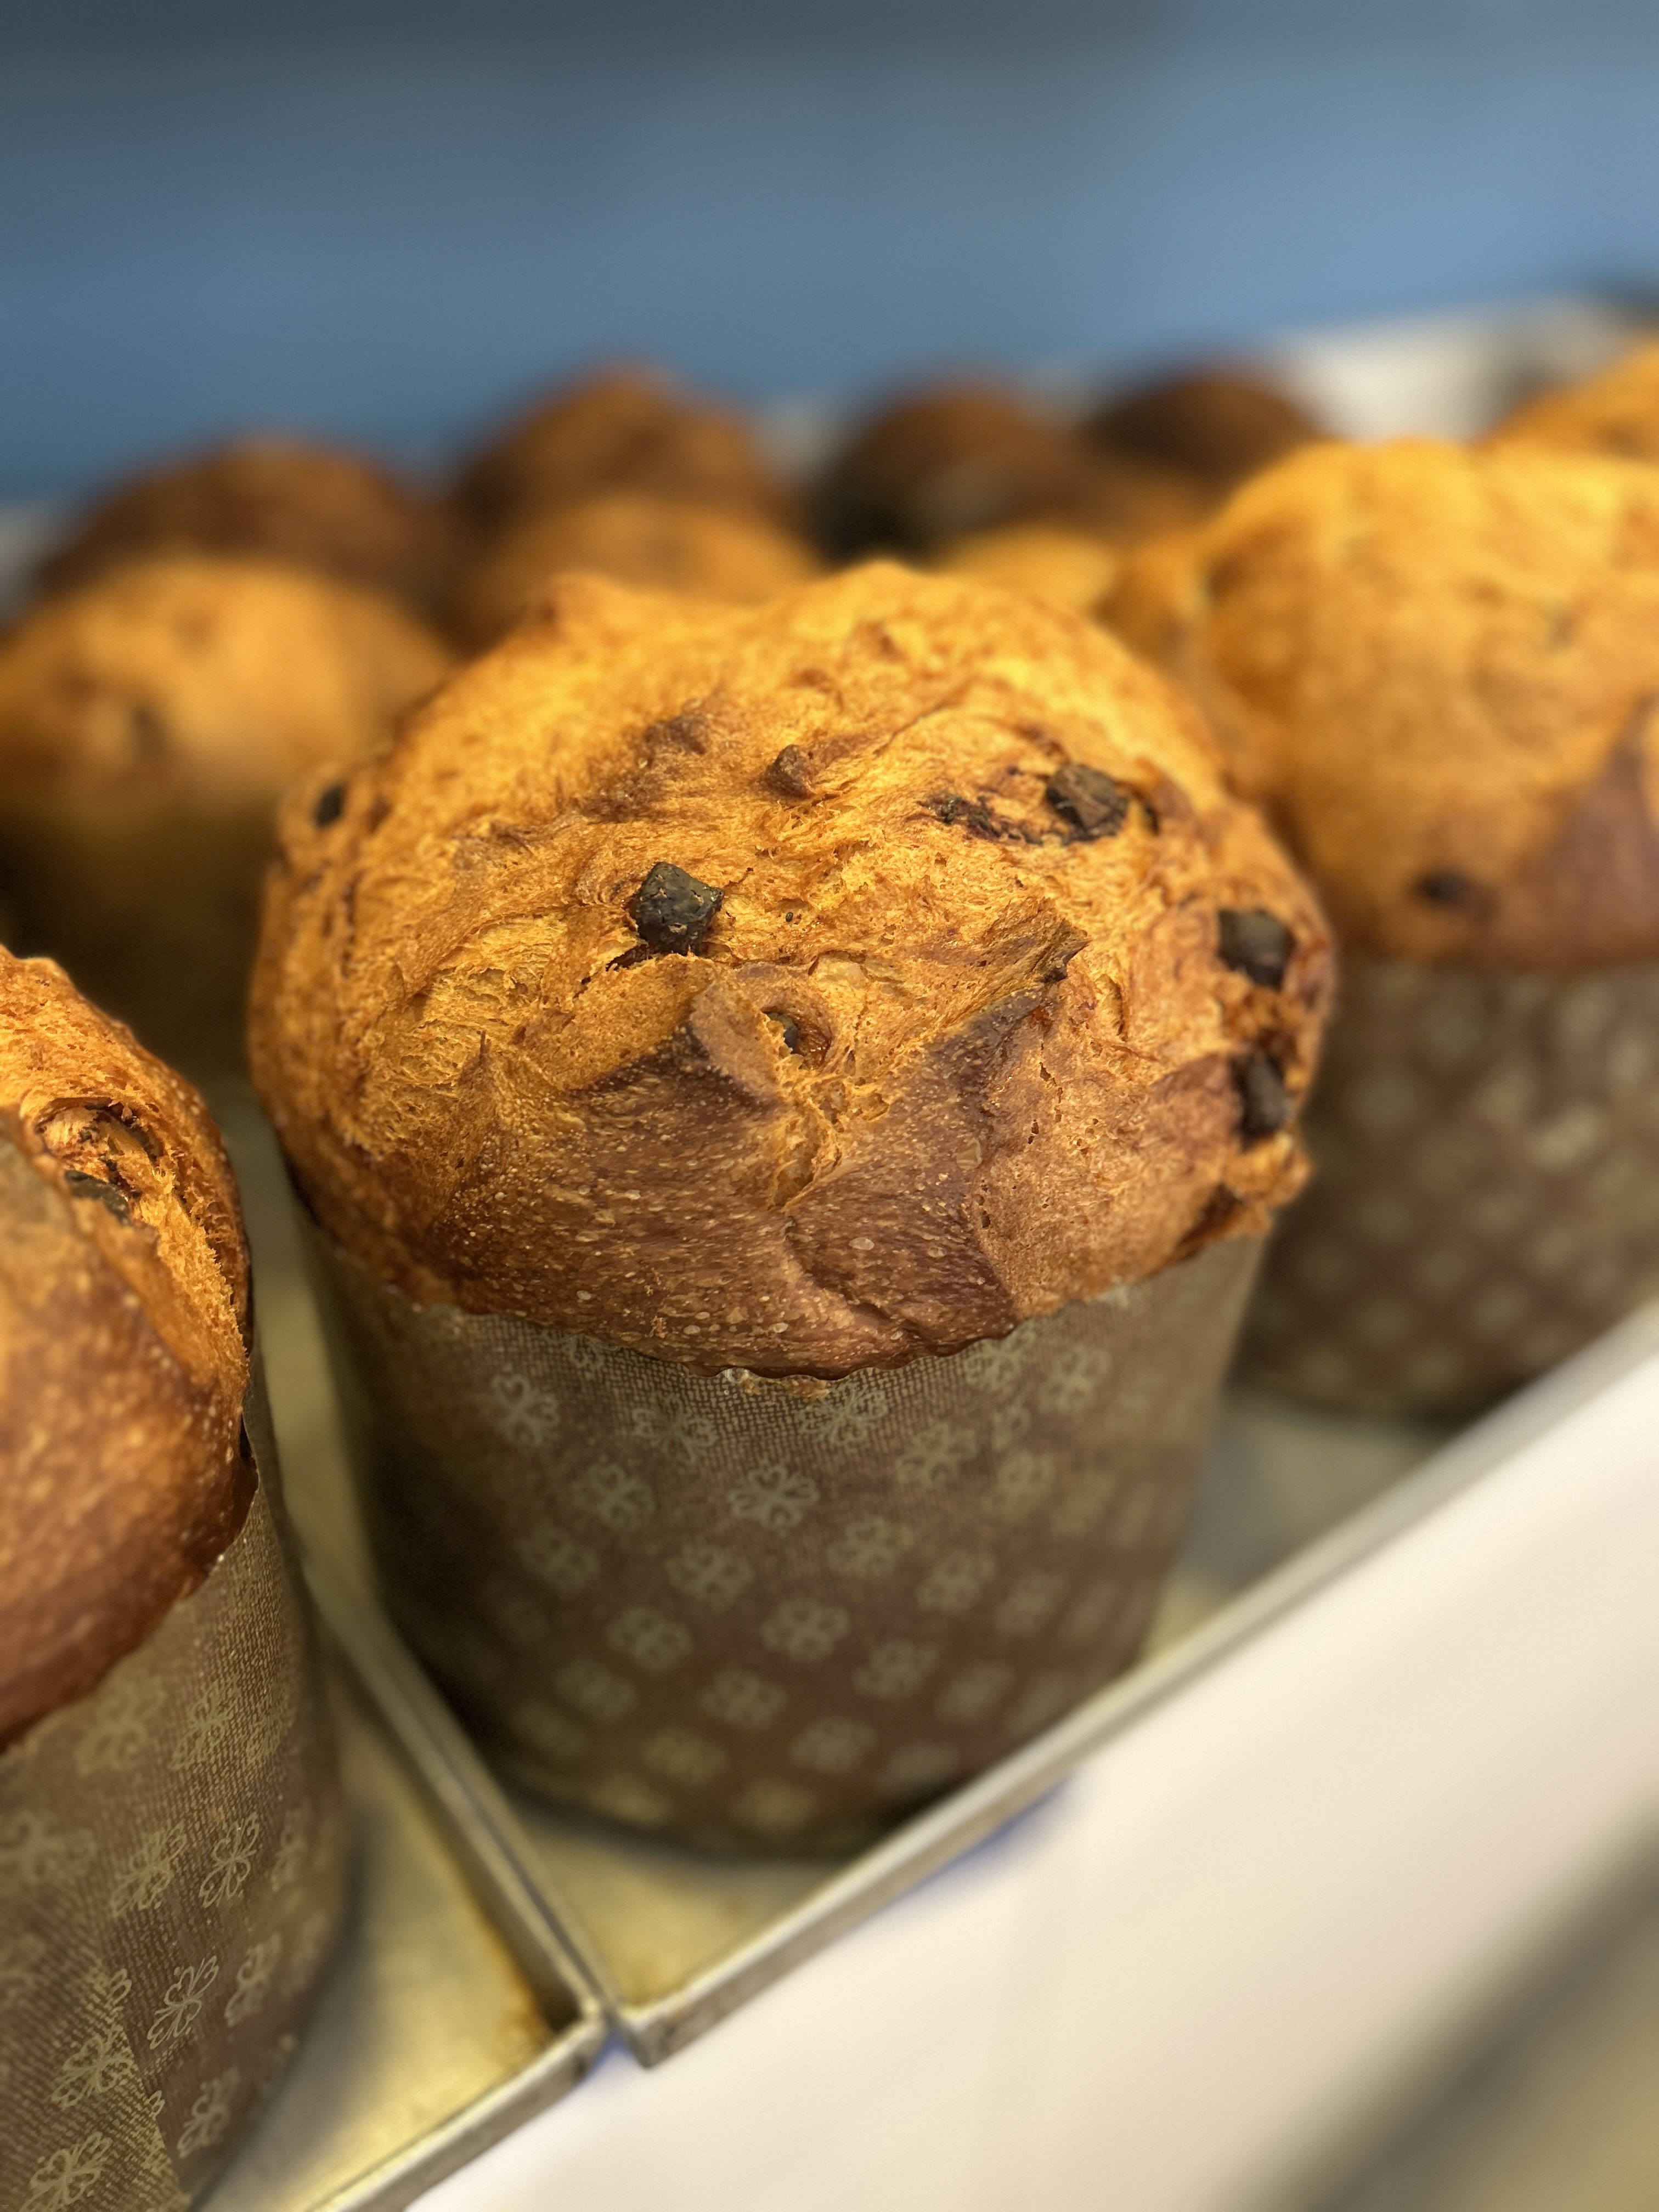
{"type": "Point", "coordinates": [1439, 666]}
{"type": "Point", "coordinates": [799, 988]}
{"type": "Point", "coordinates": [122, 1343]}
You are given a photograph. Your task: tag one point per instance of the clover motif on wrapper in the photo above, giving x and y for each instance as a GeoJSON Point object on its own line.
{"type": "Point", "coordinates": [21, 1958]}
{"type": "Point", "coordinates": [681, 1435]}
{"type": "Point", "coordinates": [615, 1496]}
{"type": "Point", "coordinates": [68, 2176]}
{"type": "Point", "coordinates": [1033, 1600]}
{"type": "Point", "coordinates": [773, 1498]}
{"type": "Point", "coordinates": [555, 1737]}
{"type": "Point", "coordinates": [895, 1669]}
{"type": "Point", "coordinates": [680, 1755]}
{"type": "Point", "coordinates": [181, 2005]}
{"type": "Point", "coordinates": [595, 1691]}
{"type": "Point", "coordinates": [975, 1693]}
{"type": "Point", "coordinates": [707, 1575]}
{"type": "Point", "coordinates": [211, 2113]}
{"type": "Point", "coordinates": [293, 1846]}
{"type": "Point", "coordinates": [743, 1700]}
{"type": "Point", "coordinates": [849, 1413]}
{"type": "Point", "coordinates": [208, 1727]}
{"type": "Point", "coordinates": [146, 1876]}
{"type": "Point", "coordinates": [869, 1548]}
{"type": "Point", "coordinates": [308, 1947]}
{"type": "Point", "coordinates": [934, 1454]}
{"type": "Point", "coordinates": [232, 1862]}
{"type": "Point", "coordinates": [955, 1581]}
{"type": "Point", "coordinates": [35, 1853]}
{"type": "Point", "coordinates": [833, 1745]}
{"type": "Point", "coordinates": [805, 1630]}
{"type": "Point", "coordinates": [101, 2062]}
{"type": "Point", "coordinates": [253, 1980]}
{"type": "Point", "coordinates": [521, 1411]}
{"type": "Point", "coordinates": [566, 1566]}
{"type": "Point", "coordinates": [773, 1809]}
{"type": "Point", "coordinates": [651, 1640]}
{"type": "Point", "coordinates": [120, 1725]}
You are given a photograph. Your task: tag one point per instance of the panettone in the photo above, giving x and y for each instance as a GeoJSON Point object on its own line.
{"type": "Point", "coordinates": [796, 988]}
{"type": "Point", "coordinates": [1057, 561]}
{"type": "Point", "coordinates": [122, 1323]}
{"type": "Point", "coordinates": [1614, 411]}
{"type": "Point", "coordinates": [1206, 430]}
{"type": "Point", "coordinates": [149, 720]}
{"type": "Point", "coordinates": [624, 430]}
{"type": "Point", "coordinates": [633, 537]}
{"type": "Point", "coordinates": [960, 457]}
{"type": "Point", "coordinates": [1437, 666]}
{"type": "Point", "coordinates": [280, 499]}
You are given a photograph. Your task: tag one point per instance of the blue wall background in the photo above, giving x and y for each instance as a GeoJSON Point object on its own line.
{"type": "Point", "coordinates": [383, 218]}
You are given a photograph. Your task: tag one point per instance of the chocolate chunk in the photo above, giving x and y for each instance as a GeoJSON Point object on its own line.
{"type": "Point", "coordinates": [673, 910]}
{"type": "Point", "coordinates": [1061, 954]}
{"type": "Point", "coordinates": [80, 1185]}
{"type": "Point", "coordinates": [1264, 1104]}
{"type": "Point", "coordinates": [1446, 887]}
{"type": "Point", "coordinates": [790, 1031]}
{"type": "Point", "coordinates": [631, 958]}
{"type": "Point", "coordinates": [1088, 797]}
{"type": "Point", "coordinates": [973, 814]}
{"type": "Point", "coordinates": [1255, 942]}
{"type": "Point", "coordinates": [330, 804]}
{"type": "Point", "coordinates": [791, 774]}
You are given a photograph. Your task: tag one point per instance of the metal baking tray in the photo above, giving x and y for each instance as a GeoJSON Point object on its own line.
{"type": "Point", "coordinates": [670, 1939]}
{"type": "Point", "coordinates": [444, 2022]}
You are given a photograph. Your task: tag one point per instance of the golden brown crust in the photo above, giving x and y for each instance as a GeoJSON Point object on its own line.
{"type": "Point", "coordinates": [958, 1045]}
{"type": "Point", "coordinates": [633, 537]}
{"type": "Point", "coordinates": [956, 458]}
{"type": "Point", "coordinates": [123, 1328]}
{"type": "Point", "coordinates": [1209, 428]}
{"type": "Point", "coordinates": [624, 430]}
{"type": "Point", "coordinates": [148, 722]}
{"type": "Point", "coordinates": [205, 678]}
{"type": "Point", "coordinates": [1615, 411]}
{"type": "Point", "coordinates": [1437, 666]}
{"type": "Point", "coordinates": [280, 499]}
{"type": "Point", "coordinates": [1073, 567]}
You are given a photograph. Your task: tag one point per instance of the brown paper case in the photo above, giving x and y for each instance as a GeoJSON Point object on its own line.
{"type": "Point", "coordinates": [1486, 1193]}
{"type": "Point", "coordinates": [775, 1613]}
{"type": "Point", "coordinates": [172, 1857]}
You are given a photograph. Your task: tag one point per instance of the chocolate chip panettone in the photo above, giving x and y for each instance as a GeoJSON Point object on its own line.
{"type": "Point", "coordinates": [798, 989]}
{"type": "Point", "coordinates": [1435, 664]}
{"type": "Point", "coordinates": [1057, 561]}
{"type": "Point", "coordinates": [149, 720]}
{"type": "Point", "coordinates": [624, 430]}
{"type": "Point", "coordinates": [1205, 431]}
{"type": "Point", "coordinates": [633, 537]}
{"type": "Point", "coordinates": [279, 498]}
{"type": "Point", "coordinates": [123, 1314]}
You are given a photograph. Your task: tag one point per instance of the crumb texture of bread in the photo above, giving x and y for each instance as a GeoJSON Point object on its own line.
{"type": "Point", "coordinates": [794, 989]}
{"type": "Point", "coordinates": [1614, 411]}
{"type": "Point", "coordinates": [620, 429]}
{"type": "Point", "coordinates": [1437, 666]}
{"type": "Point", "coordinates": [633, 537]}
{"type": "Point", "coordinates": [315, 506]}
{"type": "Point", "coordinates": [123, 1316]}
{"type": "Point", "coordinates": [186, 676]}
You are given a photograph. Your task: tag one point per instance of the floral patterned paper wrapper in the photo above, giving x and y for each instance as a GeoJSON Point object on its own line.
{"type": "Point", "coordinates": [1486, 1193]}
{"type": "Point", "coordinates": [775, 1614]}
{"type": "Point", "coordinates": [173, 1861]}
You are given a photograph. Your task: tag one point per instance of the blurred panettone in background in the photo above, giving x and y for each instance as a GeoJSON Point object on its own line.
{"type": "Point", "coordinates": [148, 722]}
{"type": "Point", "coordinates": [964, 456]}
{"type": "Point", "coordinates": [622, 429]}
{"type": "Point", "coordinates": [635, 538]}
{"type": "Point", "coordinates": [279, 499]}
{"type": "Point", "coordinates": [1057, 561]}
{"type": "Point", "coordinates": [1614, 411]}
{"type": "Point", "coordinates": [1201, 432]}
{"type": "Point", "coordinates": [1436, 664]}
